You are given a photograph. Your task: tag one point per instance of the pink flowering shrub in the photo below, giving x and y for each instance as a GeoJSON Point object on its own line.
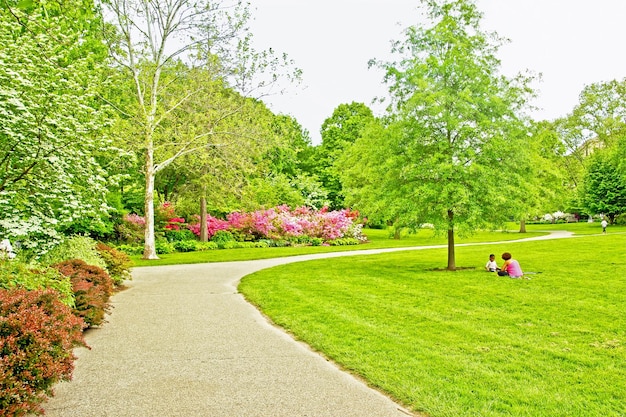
{"type": "Point", "coordinates": [283, 223]}
{"type": "Point", "coordinates": [279, 223]}
{"type": "Point", "coordinates": [135, 219]}
{"type": "Point", "coordinates": [165, 217]}
{"type": "Point", "coordinates": [131, 229]}
{"type": "Point", "coordinates": [213, 225]}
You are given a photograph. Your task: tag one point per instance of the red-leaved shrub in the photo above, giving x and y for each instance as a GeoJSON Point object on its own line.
{"type": "Point", "coordinates": [92, 288]}
{"type": "Point", "coordinates": [37, 335]}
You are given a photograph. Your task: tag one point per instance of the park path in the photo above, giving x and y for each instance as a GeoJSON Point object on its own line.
{"type": "Point", "coordinates": [181, 341]}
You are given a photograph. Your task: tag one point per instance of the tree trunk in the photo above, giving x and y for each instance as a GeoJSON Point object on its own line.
{"type": "Point", "coordinates": [451, 256]}
{"type": "Point", "coordinates": [149, 248]}
{"type": "Point", "coordinates": [522, 226]}
{"type": "Point", "coordinates": [396, 230]}
{"type": "Point", "coordinates": [204, 231]}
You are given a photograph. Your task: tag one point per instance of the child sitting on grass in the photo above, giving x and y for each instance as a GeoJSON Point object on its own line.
{"type": "Point", "coordinates": [491, 265]}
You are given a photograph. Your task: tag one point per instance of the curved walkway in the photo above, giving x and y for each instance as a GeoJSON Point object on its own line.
{"type": "Point", "coordinates": [181, 341]}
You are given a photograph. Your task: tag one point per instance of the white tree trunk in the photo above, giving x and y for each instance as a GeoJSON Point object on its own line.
{"type": "Point", "coordinates": [204, 232]}
{"type": "Point", "coordinates": [149, 248]}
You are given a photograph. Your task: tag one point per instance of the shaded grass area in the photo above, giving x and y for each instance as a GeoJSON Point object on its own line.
{"type": "Point", "coordinates": [377, 239]}
{"type": "Point", "coordinates": [468, 343]}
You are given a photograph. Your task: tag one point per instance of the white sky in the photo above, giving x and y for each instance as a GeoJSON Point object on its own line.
{"type": "Point", "coordinates": [572, 43]}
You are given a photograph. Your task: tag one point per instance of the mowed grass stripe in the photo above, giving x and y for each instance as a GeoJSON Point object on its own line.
{"type": "Point", "coordinates": [468, 343]}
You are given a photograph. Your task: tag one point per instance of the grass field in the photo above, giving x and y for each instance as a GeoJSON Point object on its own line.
{"type": "Point", "coordinates": [469, 343]}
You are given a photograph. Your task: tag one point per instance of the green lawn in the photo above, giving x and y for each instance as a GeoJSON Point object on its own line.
{"type": "Point", "coordinates": [469, 343]}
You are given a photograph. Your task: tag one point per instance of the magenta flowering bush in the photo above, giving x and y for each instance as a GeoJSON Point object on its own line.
{"type": "Point", "coordinates": [174, 223]}
{"type": "Point", "coordinates": [131, 229]}
{"type": "Point", "coordinates": [281, 222]}
{"type": "Point", "coordinates": [213, 225]}
{"type": "Point", "coordinates": [135, 219]}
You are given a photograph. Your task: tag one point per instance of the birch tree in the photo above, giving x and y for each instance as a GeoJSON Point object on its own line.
{"type": "Point", "coordinates": [150, 37]}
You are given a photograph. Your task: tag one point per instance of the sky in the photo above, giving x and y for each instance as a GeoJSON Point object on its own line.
{"type": "Point", "coordinates": [571, 43]}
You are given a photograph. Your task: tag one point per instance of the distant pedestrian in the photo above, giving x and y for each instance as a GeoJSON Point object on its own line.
{"type": "Point", "coordinates": [604, 225]}
{"type": "Point", "coordinates": [510, 267]}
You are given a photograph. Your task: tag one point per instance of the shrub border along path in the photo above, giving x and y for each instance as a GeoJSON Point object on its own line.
{"type": "Point", "coordinates": [182, 341]}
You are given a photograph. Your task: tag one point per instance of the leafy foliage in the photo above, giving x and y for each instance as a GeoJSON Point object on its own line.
{"type": "Point", "coordinates": [15, 274]}
{"type": "Point", "coordinates": [37, 335]}
{"type": "Point", "coordinates": [75, 247]}
{"type": "Point", "coordinates": [50, 130]}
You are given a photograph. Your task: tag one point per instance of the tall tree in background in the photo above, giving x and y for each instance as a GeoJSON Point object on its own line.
{"type": "Point", "coordinates": [291, 168]}
{"type": "Point", "coordinates": [455, 137]}
{"type": "Point", "coordinates": [149, 36]}
{"type": "Point", "coordinates": [339, 132]}
{"type": "Point", "coordinates": [544, 189]}
{"type": "Point", "coordinates": [598, 121]}
{"type": "Point", "coordinates": [50, 122]}
{"type": "Point", "coordinates": [603, 188]}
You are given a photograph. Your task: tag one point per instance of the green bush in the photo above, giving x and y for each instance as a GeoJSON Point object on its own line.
{"type": "Point", "coordinates": [261, 244]}
{"type": "Point", "coordinates": [186, 245]}
{"type": "Point", "coordinates": [344, 241]}
{"type": "Point", "coordinates": [75, 247]}
{"type": "Point", "coordinates": [222, 236]}
{"type": "Point", "coordinates": [117, 263]}
{"type": "Point", "coordinates": [301, 240]}
{"type": "Point", "coordinates": [131, 249]}
{"type": "Point", "coordinates": [203, 246]}
{"type": "Point", "coordinates": [14, 274]}
{"type": "Point", "coordinates": [179, 235]}
{"type": "Point", "coordinates": [92, 288]}
{"type": "Point", "coordinates": [229, 244]}
{"type": "Point", "coordinates": [163, 247]}
{"type": "Point", "coordinates": [37, 335]}
{"type": "Point", "coordinates": [317, 241]}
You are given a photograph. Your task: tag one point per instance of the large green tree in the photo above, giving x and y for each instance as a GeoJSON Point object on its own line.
{"type": "Point", "coordinates": [453, 144]}
{"type": "Point", "coordinates": [149, 36]}
{"type": "Point", "coordinates": [50, 120]}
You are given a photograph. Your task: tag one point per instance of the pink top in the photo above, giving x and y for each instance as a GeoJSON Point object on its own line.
{"type": "Point", "coordinates": [514, 269]}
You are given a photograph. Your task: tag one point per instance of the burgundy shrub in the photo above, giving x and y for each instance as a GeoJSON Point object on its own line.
{"type": "Point", "coordinates": [92, 288]}
{"type": "Point", "coordinates": [37, 335]}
